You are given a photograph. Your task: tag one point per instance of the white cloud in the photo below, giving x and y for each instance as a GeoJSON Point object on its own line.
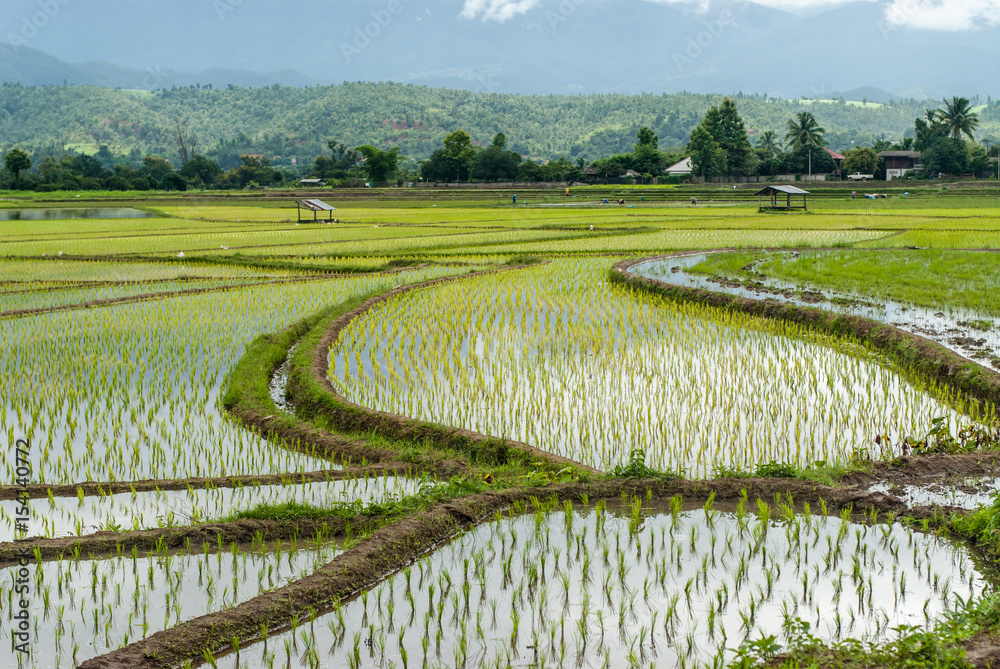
{"type": "Point", "coordinates": [802, 5]}
{"type": "Point", "coordinates": [953, 15]}
{"type": "Point", "coordinates": [795, 6]}
{"type": "Point", "coordinates": [496, 10]}
{"type": "Point", "coordinates": [702, 4]}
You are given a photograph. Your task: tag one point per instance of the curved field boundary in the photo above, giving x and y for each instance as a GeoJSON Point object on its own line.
{"type": "Point", "coordinates": [248, 399]}
{"type": "Point", "coordinates": [193, 537]}
{"type": "Point", "coordinates": [922, 355]}
{"type": "Point", "coordinates": [104, 488]}
{"type": "Point", "coordinates": [116, 301]}
{"type": "Point", "coordinates": [312, 390]}
{"type": "Point", "coordinates": [393, 547]}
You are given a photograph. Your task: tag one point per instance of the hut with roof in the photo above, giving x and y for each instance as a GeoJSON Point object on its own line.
{"type": "Point", "coordinates": [779, 198]}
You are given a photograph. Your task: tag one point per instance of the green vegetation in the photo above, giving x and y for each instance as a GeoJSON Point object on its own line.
{"type": "Point", "coordinates": [934, 279]}
{"type": "Point", "coordinates": [384, 510]}
{"type": "Point", "coordinates": [298, 122]}
{"type": "Point", "coordinates": [217, 361]}
{"type": "Point", "coordinates": [942, 647]}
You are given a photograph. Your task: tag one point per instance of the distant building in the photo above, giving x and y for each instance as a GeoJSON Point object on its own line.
{"type": "Point", "coordinates": [838, 160]}
{"type": "Point", "coordinates": [682, 169]}
{"type": "Point", "coordinates": [898, 163]}
{"type": "Point", "coordinates": [312, 182]}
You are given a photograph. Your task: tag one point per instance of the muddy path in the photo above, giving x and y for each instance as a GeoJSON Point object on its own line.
{"type": "Point", "coordinates": [188, 537]}
{"type": "Point", "coordinates": [104, 488]}
{"type": "Point", "coordinates": [298, 435]}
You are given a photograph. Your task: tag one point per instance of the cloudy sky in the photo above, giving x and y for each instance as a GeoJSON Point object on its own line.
{"type": "Point", "coordinates": [951, 15]}
{"type": "Point", "coordinates": [787, 48]}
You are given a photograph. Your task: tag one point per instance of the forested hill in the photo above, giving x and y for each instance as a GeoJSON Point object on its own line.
{"type": "Point", "coordinates": [297, 123]}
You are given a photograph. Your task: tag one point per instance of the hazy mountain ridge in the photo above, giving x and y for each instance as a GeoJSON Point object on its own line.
{"type": "Point", "coordinates": [560, 46]}
{"type": "Point", "coordinates": [30, 67]}
{"type": "Point", "coordinates": [291, 122]}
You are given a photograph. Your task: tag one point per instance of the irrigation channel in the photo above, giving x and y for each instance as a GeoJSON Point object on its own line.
{"type": "Point", "coordinates": [955, 329]}
{"type": "Point", "coordinates": [73, 214]}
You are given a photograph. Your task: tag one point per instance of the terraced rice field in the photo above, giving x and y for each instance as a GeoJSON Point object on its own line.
{"type": "Point", "coordinates": [450, 433]}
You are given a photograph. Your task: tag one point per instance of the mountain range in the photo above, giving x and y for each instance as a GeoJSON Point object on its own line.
{"type": "Point", "coordinates": [554, 46]}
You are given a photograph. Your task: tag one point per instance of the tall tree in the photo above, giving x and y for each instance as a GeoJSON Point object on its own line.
{"type": "Point", "coordinates": [496, 164]}
{"type": "Point", "coordinates": [647, 137]}
{"type": "Point", "coordinates": [861, 159]}
{"type": "Point", "coordinates": [726, 127]}
{"type": "Point", "coordinates": [454, 161]}
{"type": "Point", "coordinates": [957, 116]}
{"type": "Point", "coordinates": [201, 171]}
{"type": "Point", "coordinates": [17, 161]}
{"type": "Point", "coordinates": [708, 158]}
{"type": "Point", "coordinates": [379, 165]}
{"type": "Point", "coordinates": [768, 142]}
{"type": "Point", "coordinates": [803, 130]}
{"type": "Point", "coordinates": [881, 144]}
{"type": "Point", "coordinates": [186, 139]}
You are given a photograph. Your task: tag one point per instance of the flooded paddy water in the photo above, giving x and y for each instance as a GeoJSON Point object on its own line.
{"type": "Point", "coordinates": [966, 332]}
{"type": "Point", "coordinates": [558, 358]}
{"type": "Point", "coordinates": [588, 587]}
{"type": "Point", "coordinates": [72, 214]}
{"type": "Point", "coordinates": [82, 608]}
{"type": "Point", "coordinates": [72, 516]}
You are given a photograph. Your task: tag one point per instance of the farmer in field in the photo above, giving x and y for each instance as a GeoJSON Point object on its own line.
{"type": "Point", "coordinates": [515, 199]}
{"type": "Point", "coordinates": [694, 201]}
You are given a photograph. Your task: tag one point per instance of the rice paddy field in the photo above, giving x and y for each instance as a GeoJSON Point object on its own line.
{"type": "Point", "coordinates": [444, 431]}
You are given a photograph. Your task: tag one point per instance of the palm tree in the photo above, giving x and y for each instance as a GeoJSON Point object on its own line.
{"type": "Point", "coordinates": [957, 117]}
{"type": "Point", "coordinates": [804, 131]}
{"type": "Point", "coordinates": [768, 141]}
{"type": "Point", "coordinates": [881, 144]}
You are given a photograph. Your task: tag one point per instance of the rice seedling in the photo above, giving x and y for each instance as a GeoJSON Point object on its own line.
{"type": "Point", "coordinates": [68, 516]}
{"type": "Point", "coordinates": [149, 593]}
{"type": "Point", "coordinates": [692, 611]}
{"type": "Point", "coordinates": [555, 357]}
{"type": "Point", "coordinates": [132, 392]}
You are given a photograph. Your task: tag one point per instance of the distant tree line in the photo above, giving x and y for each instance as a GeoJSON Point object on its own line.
{"type": "Point", "coordinates": [719, 146]}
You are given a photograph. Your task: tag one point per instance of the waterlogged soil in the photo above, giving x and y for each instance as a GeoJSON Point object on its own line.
{"type": "Point", "coordinates": [557, 358]}
{"type": "Point", "coordinates": [962, 480]}
{"type": "Point", "coordinates": [79, 214]}
{"type": "Point", "coordinates": [85, 608]}
{"type": "Point", "coordinates": [69, 516]}
{"type": "Point", "coordinates": [590, 588]}
{"type": "Point", "coordinates": [968, 333]}
{"type": "Point", "coordinates": [415, 537]}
